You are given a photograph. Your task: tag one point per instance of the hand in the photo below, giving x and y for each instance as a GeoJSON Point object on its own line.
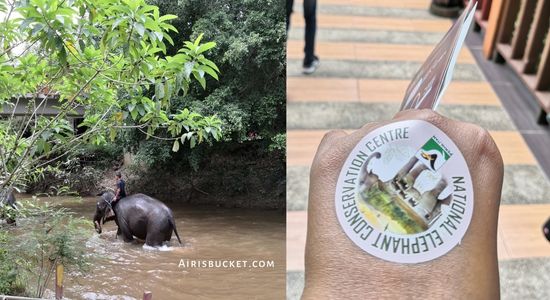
{"type": "Point", "coordinates": [335, 268]}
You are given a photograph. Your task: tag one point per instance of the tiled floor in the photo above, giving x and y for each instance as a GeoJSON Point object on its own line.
{"type": "Point", "coordinates": [369, 50]}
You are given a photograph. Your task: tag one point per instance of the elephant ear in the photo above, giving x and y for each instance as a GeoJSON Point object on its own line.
{"type": "Point", "coordinates": [109, 215]}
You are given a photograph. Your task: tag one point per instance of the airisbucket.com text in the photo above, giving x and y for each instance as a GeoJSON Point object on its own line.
{"type": "Point", "coordinates": [225, 264]}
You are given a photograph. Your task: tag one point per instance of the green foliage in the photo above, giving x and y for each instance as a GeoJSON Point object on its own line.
{"type": "Point", "coordinates": [152, 153]}
{"type": "Point", "coordinates": [279, 143]}
{"type": "Point", "coordinates": [104, 58]}
{"type": "Point", "coordinates": [250, 35]}
{"type": "Point", "coordinates": [383, 202]}
{"type": "Point", "coordinates": [78, 173]}
{"type": "Point", "coordinates": [250, 96]}
{"type": "Point", "coordinates": [10, 283]}
{"type": "Point", "coordinates": [45, 236]}
{"type": "Point", "coordinates": [102, 156]}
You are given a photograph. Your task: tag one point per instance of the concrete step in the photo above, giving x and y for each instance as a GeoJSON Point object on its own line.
{"type": "Point", "coordinates": [373, 11]}
{"type": "Point", "coordinates": [350, 115]}
{"type": "Point", "coordinates": [377, 69]}
{"type": "Point", "coordinates": [369, 36]}
{"type": "Point", "coordinates": [311, 89]}
{"type": "Point", "coordinates": [370, 51]}
{"type": "Point", "coordinates": [374, 23]}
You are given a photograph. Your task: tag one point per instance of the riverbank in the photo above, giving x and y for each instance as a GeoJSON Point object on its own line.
{"type": "Point", "coordinates": [244, 176]}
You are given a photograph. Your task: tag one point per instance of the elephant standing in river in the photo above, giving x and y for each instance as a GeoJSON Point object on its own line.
{"type": "Point", "coordinates": [136, 216]}
{"type": "Point", "coordinates": [8, 198]}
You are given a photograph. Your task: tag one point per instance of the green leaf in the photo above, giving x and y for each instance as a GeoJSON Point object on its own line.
{"type": "Point", "coordinates": [210, 71]}
{"type": "Point", "coordinates": [169, 27]}
{"type": "Point", "coordinates": [167, 18]}
{"type": "Point", "coordinates": [36, 29]}
{"type": "Point", "coordinates": [152, 25]}
{"type": "Point", "coordinates": [139, 28]}
{"type": "Point", "coordinates": [205, 47]}
{"type": "Point", "coordinates": [159, 91]}
{"type": "Point", "coordinates": [169, 39]}
{"type": "Point", "coordinates": [117, 22]}
{"type": "Point", "coordinates": [200, 79]}
{"type": "Point", "coordinates": [188, 68]}
{"type": "Point", "coordinates": [176, 146]}
{"type": "Point", "coordinates": [112, 134]}
{"type": "Point", "coordinates": [26, 23]}
{"type": "Point", "coordinates": [210, 64]}
{"type": "Point", "coordinates": [198, 40]}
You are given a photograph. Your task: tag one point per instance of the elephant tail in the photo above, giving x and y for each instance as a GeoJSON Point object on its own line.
{"type": "Point", "coordinates": [175, 230]}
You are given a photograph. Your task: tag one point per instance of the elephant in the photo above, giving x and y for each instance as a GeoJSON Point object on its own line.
{"type": "Point", "coordinates": [8, 198]}
{"type": "Point", "coordinates": [424, 208]}
{"type": "Point", "coordinates": [137, 216]}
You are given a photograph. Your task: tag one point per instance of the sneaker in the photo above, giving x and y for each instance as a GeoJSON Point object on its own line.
{"type": "Point", "coordinates": [312, 66]}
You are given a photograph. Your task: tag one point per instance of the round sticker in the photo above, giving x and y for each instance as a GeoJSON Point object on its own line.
{"type": "Point", "coordinates": [405, 193]}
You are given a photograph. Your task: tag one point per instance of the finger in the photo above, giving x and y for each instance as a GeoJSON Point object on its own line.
{"type": "Point", "coordinates": [330, 139]}
{"type": "Point", "coordinates": [353, 139]}
{"type": "Point", "coordinates": [333, 134]}
{"type": "Point", "coordinates": [427, 115]}
{"type": "Point", "coordinates": [335, 148]}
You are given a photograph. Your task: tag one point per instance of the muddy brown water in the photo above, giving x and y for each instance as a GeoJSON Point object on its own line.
{"type": "Point", "coordinates": [125, 270]}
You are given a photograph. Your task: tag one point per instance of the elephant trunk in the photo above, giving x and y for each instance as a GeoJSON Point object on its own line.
{"type": "Point", "coordinates": [97, 221]}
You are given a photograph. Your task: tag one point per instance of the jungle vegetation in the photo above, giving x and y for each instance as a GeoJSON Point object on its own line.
{"type": "Point", "coordinates": [170, 85]}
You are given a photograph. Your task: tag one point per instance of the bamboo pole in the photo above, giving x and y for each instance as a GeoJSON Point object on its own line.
{"type": "Point", "coordinates": [59, 282]}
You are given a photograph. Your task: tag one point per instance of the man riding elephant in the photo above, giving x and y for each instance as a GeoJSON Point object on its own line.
{"type": "Point", "coordinates": [120, 191]}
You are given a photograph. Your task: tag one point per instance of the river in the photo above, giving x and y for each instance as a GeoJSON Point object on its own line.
{"type": "Point", "coordinates": [125, 270]}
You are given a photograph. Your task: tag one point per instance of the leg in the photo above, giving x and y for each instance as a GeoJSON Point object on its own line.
{"type": "Point", "coordinates": [154, 238]}
{"type": "Point", "coordinates": [289, 5]}
{"type": "Point", "coordinates": [127, 236]}
{"type": "Point", "coordinates": [168, 235]}
{"type": "Point", "coordinates": [310, 16]}
{"type": "Point", "coordinates": [124, 231]}
{"type": "Point", "coordinates": [543, 117]}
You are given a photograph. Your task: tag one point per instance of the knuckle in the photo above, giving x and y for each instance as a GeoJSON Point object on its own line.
{"type": "Point", "coordinates": [485, 147]}
{"type": "Point", "coordinates": [431, 116]}
{"type": "Point", "coordinates": [420, 114]}
{"type": "Point", "coordinates": [331, 135]}
{"type": "Point", "coordinates": [326, 161]}
{"type": "Point", "coordinates": [329, 154]}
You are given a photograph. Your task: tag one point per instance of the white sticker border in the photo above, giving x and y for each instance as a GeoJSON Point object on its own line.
{"type": "Point", "coordinates": [418, 132]}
